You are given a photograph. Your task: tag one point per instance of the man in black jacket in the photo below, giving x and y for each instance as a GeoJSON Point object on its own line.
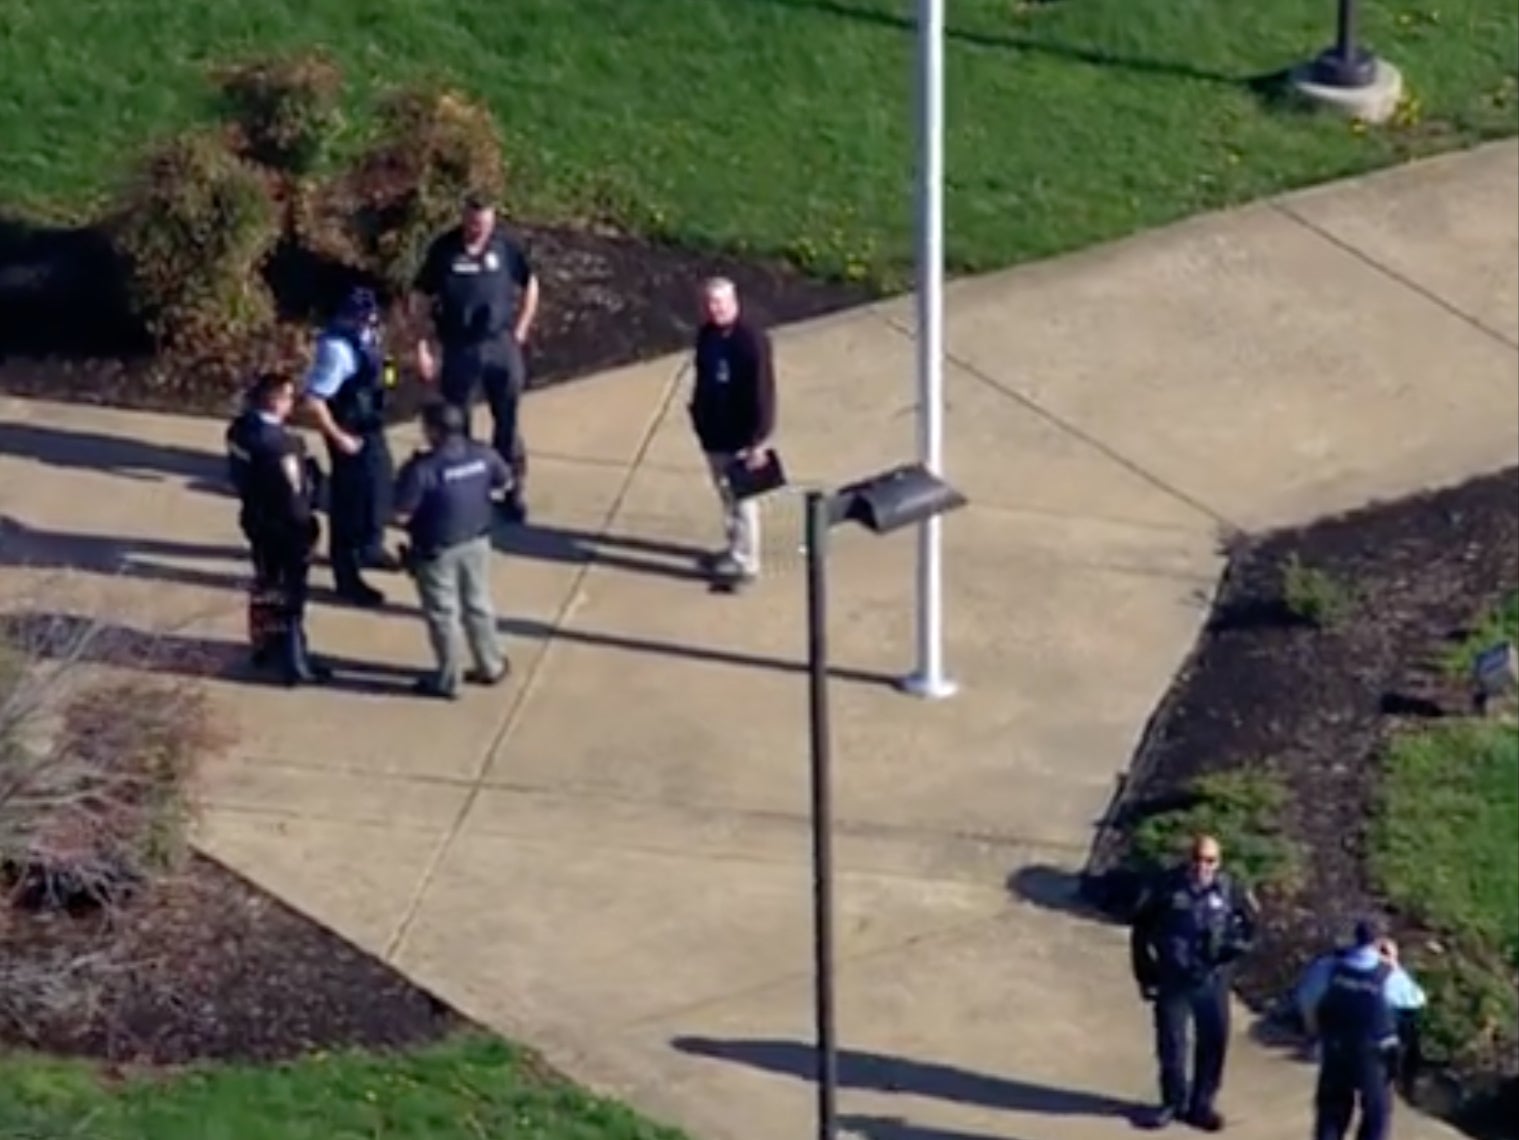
{"type": "Point", "coordinates": [276, 485]}
{"type": "Point", "coordinates": [733, 414]}
{"type": "Point", "coordinates": [1192, 924]}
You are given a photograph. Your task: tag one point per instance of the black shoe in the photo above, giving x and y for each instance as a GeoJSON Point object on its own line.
{"type": "Point", "coordinates": [1206, 1119]}
{"type": "Point", "coordinates": [1162, 1117]}
{"type": "Point", "coordinates": [429, 687]}
{"type": "Point", "coordinates": [380, 559]}
{"type": "Point", "coordinates": [481, 677]}
{"type": "Point", "coordinates": [360, 594]}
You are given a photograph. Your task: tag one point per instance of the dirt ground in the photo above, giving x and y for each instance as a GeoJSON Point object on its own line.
{"type": "Point", "coordinates": [205, 967]}
{"type": "Point", "coordinates": [1315, 706]}
{"type": "Point", "coordinates": [607, 300]}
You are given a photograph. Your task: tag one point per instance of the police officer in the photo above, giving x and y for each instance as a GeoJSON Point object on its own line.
{"type": "Point", "coordinates": [1190, 926]}
{"type": "Point", "coordinates": [481, 295]}
{"type": "Point", "coordinates": [274, 480]}
{"type": "Point", "coordinates": [1358, 1042]}
{"type": "Point", "coordinates": [444, 499]}
{"type": "Point", "coordinates": [345, 395]}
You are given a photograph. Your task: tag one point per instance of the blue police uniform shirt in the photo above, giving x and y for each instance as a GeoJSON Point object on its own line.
{"type": "Point", "coordinates": [346, 371]}
{"type": "Point", "coordinates": [1353, 1013]}
{"type": "Point", "coordinates": [1401, 991]}
{"type": "Point", "coordinates": [445, 494]}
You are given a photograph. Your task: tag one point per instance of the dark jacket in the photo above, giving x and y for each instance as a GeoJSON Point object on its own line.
{"type": "Point", "coordinates": [1184, 935]}
{"type": "Point", "coordinates": [268, 466]}
{"type": "Point", "coordinates": [733, 401]}
{"type": "Point", "coordinates": [445, 495]}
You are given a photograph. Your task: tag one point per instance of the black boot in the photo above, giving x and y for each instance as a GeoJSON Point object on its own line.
{"type": "Point", "coordinates": [296, 666]}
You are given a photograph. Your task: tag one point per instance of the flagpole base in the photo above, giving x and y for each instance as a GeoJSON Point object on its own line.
{"type": "Point", "coordinates": [926, 687]}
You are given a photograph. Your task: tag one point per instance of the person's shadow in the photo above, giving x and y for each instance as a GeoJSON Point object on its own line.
{"type": "Point", "coordinates": [583, 547]}
{"type": "Point", "coordinates": [115, 455]}
{"type": "Point", "coordinates": [895, 1128]}
{"type": "Point", "coordinates": [880, 1073]}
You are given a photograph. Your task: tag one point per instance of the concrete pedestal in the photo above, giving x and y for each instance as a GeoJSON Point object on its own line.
{"type": "Point", "coordinates": [1374, 103]}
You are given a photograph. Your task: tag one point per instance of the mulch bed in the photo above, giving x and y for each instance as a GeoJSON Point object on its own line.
{"type": "Point", "coordinates": [203, 967]}
{"type": "Point", "coordinates": [1315, 706]}
{"type": "Point", "coordinates": [607, 300]}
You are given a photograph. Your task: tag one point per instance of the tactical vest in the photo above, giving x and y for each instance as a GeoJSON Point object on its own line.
{"type": "Point", "coordinates": [359, 405]}
{"type": "Point", "coordinates": [1194, 928]}
{"type": "Point", "coordinates": [1354, 1016]}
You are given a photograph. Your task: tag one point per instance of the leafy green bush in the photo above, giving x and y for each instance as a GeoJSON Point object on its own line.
{"type": "Point", "coordinates": [196, 226]}
{"type": "Point", "coordinates": [1501, 624]}
{"type": "Point", "coordinates": [286, 110]}
{"type": "Point", "coordinates": [1473, 1012]}
{"type": "Point", "coordinates": [1315, 595]}
{"type": "Point", "coordinates": [432, 148]}
{"type": "Point", "coordinates": [1243, 810]}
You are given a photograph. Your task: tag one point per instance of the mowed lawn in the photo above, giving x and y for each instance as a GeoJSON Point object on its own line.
{"type": "Point", "coordinates": [472, 1089]}
{"type": "Point", "coordinates": [785, 125]}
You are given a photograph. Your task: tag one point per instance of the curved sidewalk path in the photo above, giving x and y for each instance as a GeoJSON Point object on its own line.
{"type": "Point", "coordinates": [609, 859]}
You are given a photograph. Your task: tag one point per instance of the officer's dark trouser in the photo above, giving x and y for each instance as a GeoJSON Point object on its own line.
{"type": "Point", "coordinates": [277, 602]}
{"type": "Point", "coordinates": [497, 368]}
{"type": "Point", "coordinates": [360, 494]}
{"type": "Point", "coordinates": [1348, 1080]}
{"type": "Point", "coordinates": [1206, 1007]}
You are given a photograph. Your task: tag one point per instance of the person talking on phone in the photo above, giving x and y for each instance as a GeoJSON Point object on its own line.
{"type": "Point", "coordinates": [733, 412]}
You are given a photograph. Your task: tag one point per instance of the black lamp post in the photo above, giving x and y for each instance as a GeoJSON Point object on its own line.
{"type": "Point", "coordinates": [902, 497]}
{"type": "Point", "coordinates": [1346, 64]}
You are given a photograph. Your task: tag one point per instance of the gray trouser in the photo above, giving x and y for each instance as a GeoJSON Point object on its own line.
{"type": "Point", "coordinates": [455, 584]}
{"type": "Point", "coordinates": [741, 519]}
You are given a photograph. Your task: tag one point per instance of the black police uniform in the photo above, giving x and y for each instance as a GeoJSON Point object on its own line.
{"type": "Point", "coordinates": [277, 519]}
{"type": "Point", "coordinates": [362, 484]}
{"type": "Point", "coordinates": [475, 301]}
{"type": "Point", "coordinates": [1183, 939]}
{"type": "Point", "coordinates": [1358, 1039]}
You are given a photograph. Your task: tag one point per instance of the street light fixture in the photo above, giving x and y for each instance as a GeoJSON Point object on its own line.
{"type": "Point", "coordinates": [902, 497]}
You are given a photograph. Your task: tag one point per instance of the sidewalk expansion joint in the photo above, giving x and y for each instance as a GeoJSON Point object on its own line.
{"type": "Point", "coordinates": [571, 598]}
{"type": "Point", "coordinates": [1398, 278]}
{"type": "Point", "coordinates": [1226, 526]}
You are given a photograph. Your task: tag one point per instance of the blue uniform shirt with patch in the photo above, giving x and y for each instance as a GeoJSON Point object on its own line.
{"type": "Point", "coordinates": [445, 494]}
{"type": "Point", "coordinates": [1400, 990]}
{"type": "Point", "coordinates": [333, 364]}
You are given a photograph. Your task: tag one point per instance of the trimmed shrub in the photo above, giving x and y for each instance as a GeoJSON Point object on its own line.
{"type": "Point", "coordinates": [286, 111]}
{"type": "Point", "coordinates": [432, 148]}
{"type": "Point", "coordinates": [1243, 810]}
{"type": "Point", "coordinates": [195, 228]}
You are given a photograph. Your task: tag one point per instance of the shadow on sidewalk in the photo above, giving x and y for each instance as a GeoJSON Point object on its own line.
{"type": "Point", "coordinates": [81, 639]}
{"type": "Point", "coordinates": [881, 1073]}
{"type": "Point", "coordinates": [36, 548]}
{"type": "Point", "coordinates": [895, 1128]}
{"type": "Point", "coordinates": [583, 547]}
{"type": "Point", "coordinates": [115, 455]}
{"type": "Point", "coordinates": [1056, 889]}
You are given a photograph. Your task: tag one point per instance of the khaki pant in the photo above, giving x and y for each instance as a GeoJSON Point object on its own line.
{"type": "Point", "coordinates": [455, 585]}
{"type": "Point", "coordinates": [741, 521]}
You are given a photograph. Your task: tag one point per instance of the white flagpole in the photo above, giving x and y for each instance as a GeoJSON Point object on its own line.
{"type": "Point", "coordinates": [929, 679]}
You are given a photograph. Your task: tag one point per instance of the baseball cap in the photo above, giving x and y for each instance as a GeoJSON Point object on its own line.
{"type": "Point", "coordinates": [1369, 931]}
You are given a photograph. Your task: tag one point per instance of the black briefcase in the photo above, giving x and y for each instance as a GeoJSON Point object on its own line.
{"type": "Point", "coordinates": [745, 482]}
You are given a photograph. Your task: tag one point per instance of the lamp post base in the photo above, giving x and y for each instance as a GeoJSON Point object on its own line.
{"type": "Point", "coordinates": [1365, 87]}
{"type": "Point", "coordinates": [928, 688]}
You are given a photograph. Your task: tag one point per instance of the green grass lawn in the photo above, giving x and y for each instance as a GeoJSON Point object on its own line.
{"type": "Point", "coordinates": [471, 1089]}
{"type": "Point", "coordinates": [1443, 849]}
{"type": "Point", "coordinates": [785, 125]}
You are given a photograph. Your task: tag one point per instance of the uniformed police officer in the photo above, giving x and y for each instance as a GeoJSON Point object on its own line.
{"type": "Point", "coordinates": [444, 497]}
{"type": "Point", "coordinates": [1190, 926]}
{"type": "Point", "coordinates": [480, 294]}
{"type": "Point", "coordinates": [345, 395]}
{"type": "Point", "coordinates": [274, 480]}
{"type": "Point", "coordinates": [1358, 1042]}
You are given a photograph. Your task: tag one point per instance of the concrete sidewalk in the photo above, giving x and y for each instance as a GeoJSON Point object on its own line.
{"type": "Point", "coordinates": [609, 859]}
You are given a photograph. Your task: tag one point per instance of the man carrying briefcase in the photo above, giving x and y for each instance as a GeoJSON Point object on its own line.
{"type": "Point", "coordinates": [733, 407]}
